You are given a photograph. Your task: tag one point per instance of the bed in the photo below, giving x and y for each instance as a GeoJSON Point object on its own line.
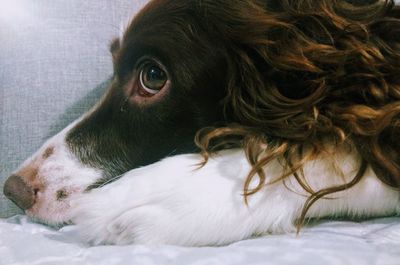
{"type": "Point", "coordinates": [374, 241]}
{"type": "Point", "coordinates": [54, 64]}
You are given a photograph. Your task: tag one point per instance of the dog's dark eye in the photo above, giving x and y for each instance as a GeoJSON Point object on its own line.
{"type": "Point", "coordinates": [152, 78]}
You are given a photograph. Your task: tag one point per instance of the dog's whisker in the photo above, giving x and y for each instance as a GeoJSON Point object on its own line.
{"type": "Point", "coordinates": [111, 180]}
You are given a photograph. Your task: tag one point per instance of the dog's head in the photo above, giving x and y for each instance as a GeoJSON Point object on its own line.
{"type": "Point", "coordinates": [168, 82]}
{"type": "Point", "coordinates": [294, 75]}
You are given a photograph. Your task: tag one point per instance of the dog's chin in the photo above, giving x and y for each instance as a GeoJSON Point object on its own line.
{"type": "Point", "coordinates": [52, 212]}
{"type": "Point", "coordinates": [55, 221]}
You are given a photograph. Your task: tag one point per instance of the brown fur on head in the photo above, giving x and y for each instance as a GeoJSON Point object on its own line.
{"type": "Point", "coordinates": [307, 74]}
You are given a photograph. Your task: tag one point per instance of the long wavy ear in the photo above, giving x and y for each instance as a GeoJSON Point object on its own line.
{"type": "Point", "coordinates": [307, 73]}
{"type": "Point", "coordinates": [271, 81]}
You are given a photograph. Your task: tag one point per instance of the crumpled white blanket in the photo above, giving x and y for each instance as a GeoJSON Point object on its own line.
{"type": "Point", "coordinates": [375, 241]}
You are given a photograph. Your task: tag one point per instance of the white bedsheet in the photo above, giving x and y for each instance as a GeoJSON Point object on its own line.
{"type": "Point", "coordinates": [371, 242]}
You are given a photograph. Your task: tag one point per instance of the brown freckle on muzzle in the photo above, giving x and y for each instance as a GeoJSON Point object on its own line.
{"type": "Point", "coordinates": [48, 152]}
{"type": "Point", "coordinates": [61, 194]}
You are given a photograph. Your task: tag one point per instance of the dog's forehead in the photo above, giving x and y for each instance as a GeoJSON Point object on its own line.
{"type": "Point", "coordinates": [163, 17]}
{"type": "Point", "coordinates": [164, 9]}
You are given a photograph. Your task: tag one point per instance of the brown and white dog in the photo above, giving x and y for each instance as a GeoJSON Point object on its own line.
{"type": "Point", "coordinates": [227, 119]}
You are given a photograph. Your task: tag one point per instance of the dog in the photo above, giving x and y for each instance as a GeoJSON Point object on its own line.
{"type": "Point", "coordinates": [226, 120]}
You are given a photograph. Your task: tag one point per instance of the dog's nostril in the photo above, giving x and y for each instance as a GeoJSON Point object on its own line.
{"type": "Point", "coordinates": [18, 191]}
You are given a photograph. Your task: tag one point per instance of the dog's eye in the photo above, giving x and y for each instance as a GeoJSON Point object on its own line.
{"type": "Point", "coordinates": [152, 78]}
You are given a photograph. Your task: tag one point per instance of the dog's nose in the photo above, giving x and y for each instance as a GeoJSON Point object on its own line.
{"type": "Point", "coordinates": [18, 191]}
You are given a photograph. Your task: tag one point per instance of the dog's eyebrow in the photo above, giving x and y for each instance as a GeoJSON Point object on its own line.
{"type": "Point", "coordinates": [115, 45]}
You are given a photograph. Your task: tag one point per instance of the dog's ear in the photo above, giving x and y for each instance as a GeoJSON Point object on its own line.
{"type": "Point", "coordinates": [114, 48]}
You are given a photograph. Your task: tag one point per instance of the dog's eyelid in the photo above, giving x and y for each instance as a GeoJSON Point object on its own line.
{"type": "Point", "coordinates": [149, 59]}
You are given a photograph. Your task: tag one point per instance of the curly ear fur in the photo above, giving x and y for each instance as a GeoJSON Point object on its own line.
{"type": "Point", "coordinates": [306, 75]}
